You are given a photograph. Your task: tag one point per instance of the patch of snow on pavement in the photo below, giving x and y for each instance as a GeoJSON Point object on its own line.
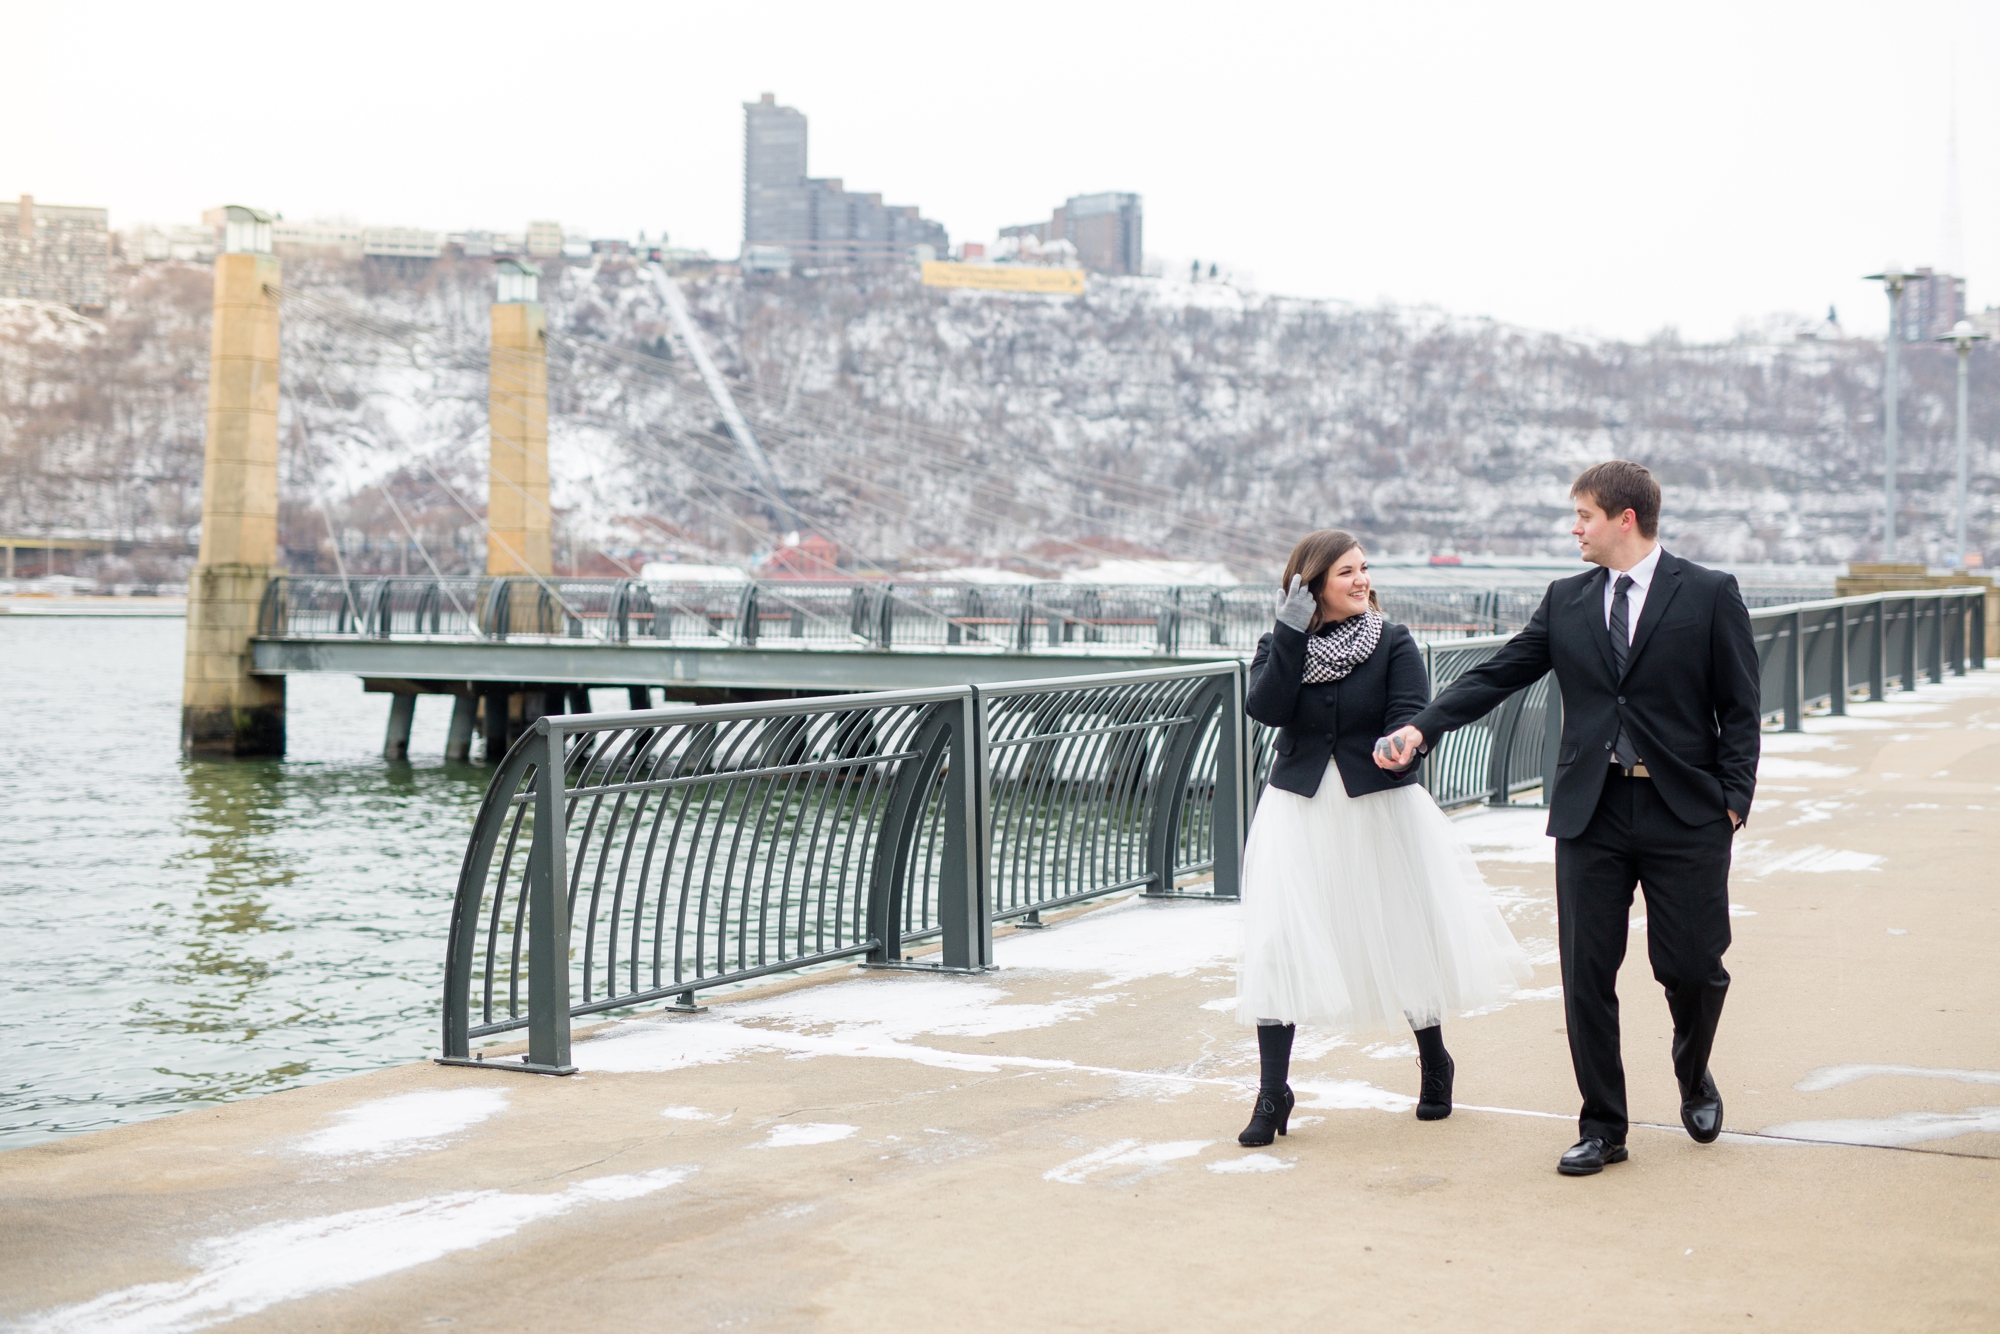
{"type": "Point", "coordinates": [1894, 1132]}
{"type": "Point", "coordinates": [1135, 939]}
{"type": "Point", "coordinates": [810, 1132]}
{"type": "Point", "coordinates": [1350, 1095]}
{"type": "Point", "coordinates": [246, 1272]}
{"type": "Point", "coordinates": [1780, 767]}
{"type": "Point", "coordinates": [1148, 1158]}
{"type": "Point", "coordinates": [1757, 859]}
{"type": "Point", "coordinates": [1251, 1162]}
{"type": "Point", "coordinates": [1791, 743]}
{"type": "Point", "coordinates": [406, 1123]}
{"type": "Point", "coordinates": [874, 1017]}
{"type": "Point", "coordinates": [1833, 1076]}
{"type": "Point", "coordinates": [1502, 835]}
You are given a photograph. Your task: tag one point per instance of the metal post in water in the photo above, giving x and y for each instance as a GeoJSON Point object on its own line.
{"type": "Point", "coordinates": [458, 741]}
{"type": "Point", "coordinates": [402, 716]}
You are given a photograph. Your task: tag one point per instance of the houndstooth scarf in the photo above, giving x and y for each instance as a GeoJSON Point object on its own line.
{"type": "Point", "coordinates": [1333, 653]}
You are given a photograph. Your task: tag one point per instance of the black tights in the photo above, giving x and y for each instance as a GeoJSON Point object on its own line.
{"type": "Point", "coordinates": [1274, 1052]}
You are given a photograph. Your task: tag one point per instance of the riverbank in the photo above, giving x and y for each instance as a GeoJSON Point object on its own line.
{"type": "Point", "coordinates": [1052, 1144]}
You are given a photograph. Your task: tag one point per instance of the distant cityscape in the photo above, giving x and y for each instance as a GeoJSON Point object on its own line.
{"type": "Point", "coordinates": [792, 221]}
{"type": "Point", "coordinates": [791, 218]}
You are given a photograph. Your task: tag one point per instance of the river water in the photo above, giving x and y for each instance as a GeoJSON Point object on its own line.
{"type": "Point", "coordinates": [176, 933]}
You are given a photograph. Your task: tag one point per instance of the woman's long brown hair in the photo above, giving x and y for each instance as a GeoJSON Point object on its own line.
{"type": "Point", "coordinates": [1315, 554]}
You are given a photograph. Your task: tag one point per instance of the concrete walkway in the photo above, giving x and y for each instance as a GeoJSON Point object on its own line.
{"type": "Point", "coordinates": [1052, 1145]}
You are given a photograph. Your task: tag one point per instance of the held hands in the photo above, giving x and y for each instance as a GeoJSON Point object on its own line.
{"type": "Point", "coordinates": [1296, 606]}
{"type": "Point", "coordinates": [1399, 750]}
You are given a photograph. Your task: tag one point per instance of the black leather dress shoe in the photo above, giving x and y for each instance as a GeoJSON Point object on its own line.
{"type": "Point", "coordinates": [1701, 1113]}
{"type": "Point", "coordinates": [1589, 1156]}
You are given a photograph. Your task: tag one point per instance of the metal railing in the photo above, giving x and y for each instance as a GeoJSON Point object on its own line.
{"type": "Point", "coordinates": [624, 858]}
{"type": "Point", "coordinates": [619, 859]}
{"type": "Point", "coordinates": [1812, 653]}
{"type": "Point", "coordinates": [877, 614]}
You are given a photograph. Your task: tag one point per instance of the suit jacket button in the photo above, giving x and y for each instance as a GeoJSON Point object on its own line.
{"type": "Point", "coordinates": [1621, 699]}
{"type": "Point", "coordinates": [1607, 745]}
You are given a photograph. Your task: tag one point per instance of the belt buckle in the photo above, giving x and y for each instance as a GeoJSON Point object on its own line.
{"type": "Point", "coordinates": [1638, 770]}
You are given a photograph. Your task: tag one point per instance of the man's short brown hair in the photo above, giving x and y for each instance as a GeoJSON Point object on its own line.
{"type": "Point", "coordinates": [1621, 485]}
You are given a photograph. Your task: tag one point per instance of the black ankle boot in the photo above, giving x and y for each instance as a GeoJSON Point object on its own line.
{"type": "Point", "coordinates": [1274, 1094]}
{"type": "Point", "coordinates": [1434, 1096]}
{"type": "Point", "coordinates": [1268, 1121]}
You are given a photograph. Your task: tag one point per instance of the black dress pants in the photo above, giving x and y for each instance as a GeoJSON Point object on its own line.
{"type": "Point", "coordinates": [1634, 839]}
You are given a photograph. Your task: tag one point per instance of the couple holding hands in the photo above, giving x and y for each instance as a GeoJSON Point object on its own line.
{"type": "Point", "coordinates": [1362, 907]}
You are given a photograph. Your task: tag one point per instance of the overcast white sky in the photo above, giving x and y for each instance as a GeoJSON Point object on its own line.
{"type": "Point", "coordinates": [1580, 167]}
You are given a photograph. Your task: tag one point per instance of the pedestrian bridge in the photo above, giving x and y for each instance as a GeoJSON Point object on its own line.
{"type": "Point", "coordinates": [513, 649]}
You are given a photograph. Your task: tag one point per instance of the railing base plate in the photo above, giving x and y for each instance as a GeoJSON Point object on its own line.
{"type": "Point", "coordinates": [518, 1067]}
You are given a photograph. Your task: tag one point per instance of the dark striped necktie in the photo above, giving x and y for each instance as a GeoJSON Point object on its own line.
{"type": "Point", "coordinates": [1621, 648]}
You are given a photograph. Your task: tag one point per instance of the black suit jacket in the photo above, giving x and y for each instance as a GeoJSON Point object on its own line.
{"type": "Point", "coordinates": [1688, 697]}
{"type": "Point", "coordinates": [1342, 719]}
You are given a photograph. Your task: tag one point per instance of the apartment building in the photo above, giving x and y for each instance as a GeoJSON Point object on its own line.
{"type": "Point", "coordinates": [55, 252]}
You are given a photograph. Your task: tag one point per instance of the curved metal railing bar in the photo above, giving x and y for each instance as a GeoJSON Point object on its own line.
{"type": "Point", "coordinates": [621, 859]}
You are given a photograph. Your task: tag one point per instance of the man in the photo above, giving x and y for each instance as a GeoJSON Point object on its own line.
{"type": "Point", "coordinates": [1657, 768]}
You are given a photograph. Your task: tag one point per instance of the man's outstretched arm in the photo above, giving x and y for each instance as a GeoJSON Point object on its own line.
{"type": "Point", "coordinates": [1521, 661]}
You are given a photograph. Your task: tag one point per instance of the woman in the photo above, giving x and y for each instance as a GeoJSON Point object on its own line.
{"type": "Point", "coordinates": [1360, 903]}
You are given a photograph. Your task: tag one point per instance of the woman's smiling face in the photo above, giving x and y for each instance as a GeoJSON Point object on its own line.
{"type": "Point", "coordinates": [1345, 593]}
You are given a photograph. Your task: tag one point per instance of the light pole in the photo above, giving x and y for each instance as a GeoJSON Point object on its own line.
{"type": "Point", "coordinates": [1962, 337]}
{"type": "Point", "coordinates": [1893, 278]}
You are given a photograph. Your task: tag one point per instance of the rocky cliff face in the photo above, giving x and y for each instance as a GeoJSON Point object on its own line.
{"type": "Point", "coordinates": [911, 424]}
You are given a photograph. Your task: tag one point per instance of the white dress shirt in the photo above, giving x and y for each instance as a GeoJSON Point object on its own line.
{"type": "Point", "coordinates": [1635, 596]}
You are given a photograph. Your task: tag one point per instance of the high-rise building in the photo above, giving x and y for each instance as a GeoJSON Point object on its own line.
{"type": "Point", "coordinates": [1932, 304]}
{"type": "Point", "coordinates": [815, 220]}
{"type": "Point", "coordinates": [777, 204]}
{"type": "Point", "coordinates": [53, 252]}
{"type": "Point", "coordinates": [545, 240]}
{"type": "Point", "coordinates": [1106, 229]}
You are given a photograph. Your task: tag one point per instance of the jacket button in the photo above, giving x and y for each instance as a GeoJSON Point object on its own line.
{"type": "Point", "coordinates": [1607, 745]}
{"type": "Point", "coordinates": [1621, 699]}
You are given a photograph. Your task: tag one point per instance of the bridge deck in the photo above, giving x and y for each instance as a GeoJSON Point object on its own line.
{"type": "Point", "coordinates": [1052, 1144]}
{"type": "Point", "coordinates": [767, 666]}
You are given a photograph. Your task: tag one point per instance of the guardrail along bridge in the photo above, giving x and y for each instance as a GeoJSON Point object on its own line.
{"type": "Point", "coordinates": [511, 649]}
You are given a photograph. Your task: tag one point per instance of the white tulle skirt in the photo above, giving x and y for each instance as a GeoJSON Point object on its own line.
{"type": "Point", "coordinates": [1366, 913]}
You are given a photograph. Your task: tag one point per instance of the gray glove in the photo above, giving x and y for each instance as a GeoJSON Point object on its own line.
{"type": "Point", "coordinates": [1297, 606]}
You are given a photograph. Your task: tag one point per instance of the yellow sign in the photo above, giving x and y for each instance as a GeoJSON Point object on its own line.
{"type": "Point", "coordinates": [1004, 277]}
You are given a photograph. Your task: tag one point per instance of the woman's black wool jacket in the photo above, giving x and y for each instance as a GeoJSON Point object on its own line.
{"type": "Point", "coordinates": [1341, 718]}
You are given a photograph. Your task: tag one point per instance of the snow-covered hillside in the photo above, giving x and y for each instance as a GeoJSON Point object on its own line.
{"type": "Point", "coordinates": [913, 426]}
